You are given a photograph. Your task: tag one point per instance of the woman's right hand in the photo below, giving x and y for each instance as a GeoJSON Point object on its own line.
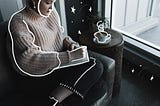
{"type": "Point", "coordinates": [78, 53]}
{"type": "Point", "coordinates": [74, 46]}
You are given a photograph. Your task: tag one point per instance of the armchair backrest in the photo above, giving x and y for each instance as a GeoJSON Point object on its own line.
{"type": "Point", "coordinates": [7, 77]}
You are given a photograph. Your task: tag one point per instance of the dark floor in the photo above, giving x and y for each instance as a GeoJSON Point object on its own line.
{"type": "Point", "coordinates": [137, 89]}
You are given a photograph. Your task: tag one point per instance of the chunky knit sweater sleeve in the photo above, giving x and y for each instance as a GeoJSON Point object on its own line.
{"type": "Point", "coordinates": [30, 58]}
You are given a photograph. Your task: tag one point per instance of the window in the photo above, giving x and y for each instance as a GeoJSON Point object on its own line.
{"type": "Point", "coordinates": [139, 22]}
{"type": "Point", "coordinates": [138, 18]}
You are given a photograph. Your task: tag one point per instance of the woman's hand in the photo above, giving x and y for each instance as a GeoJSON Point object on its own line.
{"type": "Point", "coordinates": [74, 46]}
{"type": "Point", "coordinates": [69, 44]}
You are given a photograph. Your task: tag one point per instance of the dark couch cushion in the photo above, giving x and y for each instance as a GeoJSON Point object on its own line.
{"type": "Point", "coordinates": [11, 82]}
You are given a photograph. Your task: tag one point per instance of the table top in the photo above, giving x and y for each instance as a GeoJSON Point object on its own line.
{"type": "Point", "coordinates": [87, 39]}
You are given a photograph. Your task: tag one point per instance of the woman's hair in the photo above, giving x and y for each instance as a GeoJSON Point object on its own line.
{"type": "Point", "coordinates": [29, 3]}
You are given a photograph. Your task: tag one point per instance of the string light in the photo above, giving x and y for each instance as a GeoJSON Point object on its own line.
{"type": "Point", "coordinates": [73, 9]}
{"type": "Point", "coordinates": [79, 10]}
{"type": "Point", "coordinates": [151, 78]}
{"type": "Point", "coordinates": [133, 70]}
{"type": "Point", "coordinates": [72, 22]}
{"type": "Point", "coordinates": [79, 32]}
{"type": "Point", "coordinates": [82, 20]}
{"type": "Point", "coordinates": [90, 9]}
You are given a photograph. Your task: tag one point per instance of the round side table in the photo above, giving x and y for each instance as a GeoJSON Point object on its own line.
{"type": "Point", "coordinates": [113, 49]}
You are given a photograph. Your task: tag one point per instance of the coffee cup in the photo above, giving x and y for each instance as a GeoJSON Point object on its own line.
{"type": "Point", "coordinates": [102, 36]}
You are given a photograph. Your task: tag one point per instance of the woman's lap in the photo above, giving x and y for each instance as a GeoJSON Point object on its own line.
{"type": "Point", "coordinates": [82, 77]}
{"type": "Point", "coordinates": [78, 77]}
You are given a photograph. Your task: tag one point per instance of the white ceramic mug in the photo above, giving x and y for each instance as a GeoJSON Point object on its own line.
{"type": "Point", "coordinates": [102, 36]}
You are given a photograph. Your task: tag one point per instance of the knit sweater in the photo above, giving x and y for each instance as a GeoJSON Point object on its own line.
{"type": "Point", "coordinates": [38, 42]}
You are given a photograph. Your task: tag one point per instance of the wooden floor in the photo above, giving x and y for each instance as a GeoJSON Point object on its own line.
{"type": "Point", "coordinates": [137, 89]}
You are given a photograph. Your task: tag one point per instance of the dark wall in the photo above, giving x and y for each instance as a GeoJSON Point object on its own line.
{"type": "Point", "coordinates": [79, 20]}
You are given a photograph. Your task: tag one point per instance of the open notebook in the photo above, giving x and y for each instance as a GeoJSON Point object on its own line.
{"type": "Point", "coordinates": [77, 61]}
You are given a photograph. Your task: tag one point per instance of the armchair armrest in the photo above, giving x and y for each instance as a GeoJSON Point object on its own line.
{"type": "Point", "coordinates": [109, 69]}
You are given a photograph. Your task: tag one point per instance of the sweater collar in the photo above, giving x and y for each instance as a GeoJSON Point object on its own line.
{"type": "Point", "coordinates": [32, 14]}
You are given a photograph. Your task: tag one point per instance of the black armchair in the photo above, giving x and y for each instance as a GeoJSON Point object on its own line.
{"type": "Point", "coordinates": [14, 93]}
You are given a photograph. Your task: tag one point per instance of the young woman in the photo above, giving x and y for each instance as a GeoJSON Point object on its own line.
{"type": "Point", "coordinates": [39, 49]}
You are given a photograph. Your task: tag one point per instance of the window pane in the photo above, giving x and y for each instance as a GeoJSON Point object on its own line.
{"type": "Point", "coordinates": [138, 19]}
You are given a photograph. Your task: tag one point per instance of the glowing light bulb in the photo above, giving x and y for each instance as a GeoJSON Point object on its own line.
{"type": "Point", "coordinates": [79, 32]}
{"type": "Point", "coordinates": [90, 9]}
{"type": "Point", "coordinates": [133, 70]}
{"type": "Point", "coordinates": [151, 78]}
{"type": "Point", "coordinates": [73, 10]}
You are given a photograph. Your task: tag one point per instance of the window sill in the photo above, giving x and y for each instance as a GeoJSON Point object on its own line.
{"type": "Point", "coordinates": [141, 26]}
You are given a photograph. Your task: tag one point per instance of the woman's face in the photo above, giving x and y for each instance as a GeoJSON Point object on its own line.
{"type": "Point", "coordinates": [45, 7]}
